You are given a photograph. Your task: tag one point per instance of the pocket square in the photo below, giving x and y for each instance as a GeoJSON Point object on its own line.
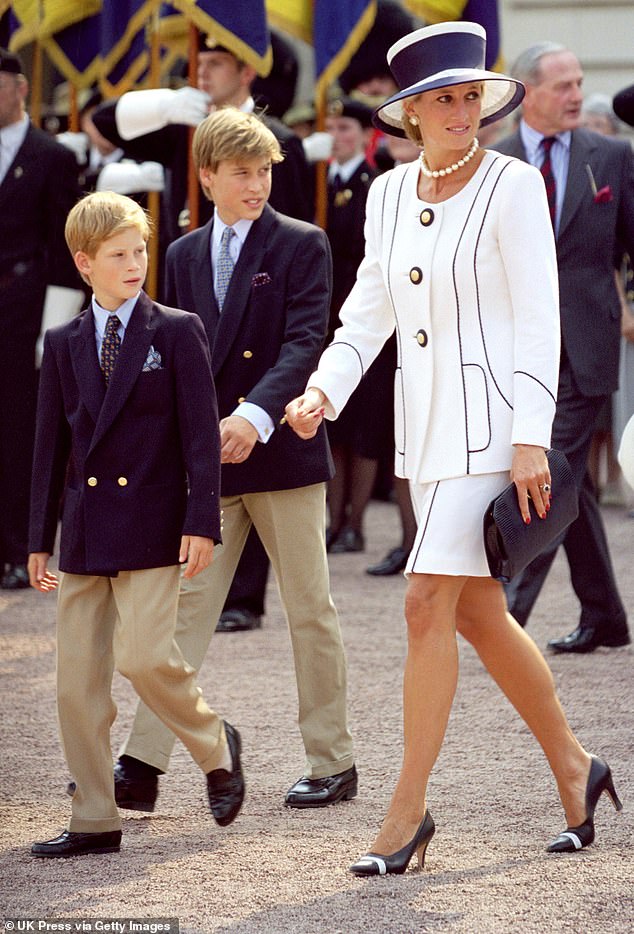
{"type": "Point", "coordinates": [152, 361]}
{"type": "Point", "coordinates": [260, 278]}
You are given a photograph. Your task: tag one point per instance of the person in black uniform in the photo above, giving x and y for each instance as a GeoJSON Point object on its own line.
{"type": "Point", "coordinates": [38, 187]}
{"type": "Point", "coordinates": [353, 437]}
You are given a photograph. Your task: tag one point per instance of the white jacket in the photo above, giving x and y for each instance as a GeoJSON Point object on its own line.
{"type": "Point", "coordinates": [470, 285]}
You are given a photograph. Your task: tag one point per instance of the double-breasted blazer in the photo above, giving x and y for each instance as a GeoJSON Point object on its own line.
{"type": "Point", "coordinates": [136, 463]}
{"type": "Point", "coordinates": [475, 315]}
{"type": "Point", "coordinates": [267, 339]}
{"type": "Point", "coordinates": [595, 228]}
{"type": "Point", "coordinates": [36, 194]}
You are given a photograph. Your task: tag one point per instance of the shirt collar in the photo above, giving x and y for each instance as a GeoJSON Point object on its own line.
{"type": "Point", "coordinates": [532, 140]}
{"type": "Point", "coordinates": [123, 313]}
{"type": "Point", "coordinates": [13, 135]}
{"type": "Point", "coordinates": [345, 170]}
{"type": "Point", "coordinates": [241, 228]}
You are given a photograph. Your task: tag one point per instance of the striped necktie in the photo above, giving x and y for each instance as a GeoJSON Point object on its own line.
{"type": "Point", "coordinates": [225, 266]}
{"type": "Point", "coordinates": [110, 346]}
{"type": "Point", "coordinates": [549, 179]}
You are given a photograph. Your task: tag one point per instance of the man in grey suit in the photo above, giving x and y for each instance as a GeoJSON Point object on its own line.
{"type": "Point", "coordinates": [590, 181]}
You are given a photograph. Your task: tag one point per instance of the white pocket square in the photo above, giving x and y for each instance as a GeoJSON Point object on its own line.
{"type": "Point", "coordinates": [152, 361]}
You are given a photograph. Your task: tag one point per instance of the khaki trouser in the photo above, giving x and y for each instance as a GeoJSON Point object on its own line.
{"type": "Point", "coordinates": [128, 623]}
{"type": "Point", "coordinates": [290, 524]}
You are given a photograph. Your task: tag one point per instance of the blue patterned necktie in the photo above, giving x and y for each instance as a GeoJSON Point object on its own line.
{"type": "Point", "coordinates": [110, 346]}
{"type": "Point", "coordinates": [549, 179]}
{"type": "Point", "coordinates": [225, 266]}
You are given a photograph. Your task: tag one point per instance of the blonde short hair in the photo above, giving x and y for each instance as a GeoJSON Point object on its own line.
{"type": "Point", "coordinates": [101, 215]}
{"type": "Point", "coordinates": [229, 134]}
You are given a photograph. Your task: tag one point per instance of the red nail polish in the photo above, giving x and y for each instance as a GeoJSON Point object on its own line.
{"type": "Point", "coordinates": [527, 521]}
{"type": "Point", "coordinates": [547, 507]}
{"type": "Point", "coordinates": [543, 515]}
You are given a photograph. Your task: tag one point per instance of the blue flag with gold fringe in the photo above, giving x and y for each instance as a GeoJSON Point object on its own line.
{"type": "Point", "coordinates": [240, 26]}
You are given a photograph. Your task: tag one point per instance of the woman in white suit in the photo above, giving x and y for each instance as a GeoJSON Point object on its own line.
{"type": "Point", "coordinates": [460, 261]}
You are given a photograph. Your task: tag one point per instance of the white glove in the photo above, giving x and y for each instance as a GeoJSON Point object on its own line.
{"type": "Point", "coordinates": [60, 305]}
{"type": "Point", "coordinates": [141, 112]}
{"type": "Point", "coordinates": [318, 147]}
{"type": "Point", "coordinates": [626, 452]}
{"type": "Point", "coordinates": [126, 177]}
{"type": "Point", "coordinates": [77, 143]}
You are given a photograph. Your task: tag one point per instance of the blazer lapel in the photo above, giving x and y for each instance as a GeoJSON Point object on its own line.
{"type": "Point", "coordinates": [88, 375]}
{"type": "Point", "coordinates": [237, 299]}
{"type": "Point", "coordinates": [136, 343]}
{"type": "Point", "coordinates": [578, 182]}
{"type": "Point", "coordinates": [202, 280]}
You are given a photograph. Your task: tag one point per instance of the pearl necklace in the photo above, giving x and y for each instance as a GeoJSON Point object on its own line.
{"type": "Point", "coordinates": [440, 173]}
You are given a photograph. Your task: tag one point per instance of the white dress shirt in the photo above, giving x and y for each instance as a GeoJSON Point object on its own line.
{"type": "Point", "coordinates": [101, 316]}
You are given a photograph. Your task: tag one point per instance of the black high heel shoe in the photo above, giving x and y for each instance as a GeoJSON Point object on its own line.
{"type": "Point", "coordinates": [576, 838]}
{"type": "Point", "coordinates": [373, 864]}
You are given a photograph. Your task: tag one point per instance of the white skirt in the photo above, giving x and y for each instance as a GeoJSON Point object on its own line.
{"type": "Point", "coordinates": [449, 514]}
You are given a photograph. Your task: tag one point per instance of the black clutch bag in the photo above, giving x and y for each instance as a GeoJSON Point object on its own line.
{"type": "Point", "coordinates": [509, 543]}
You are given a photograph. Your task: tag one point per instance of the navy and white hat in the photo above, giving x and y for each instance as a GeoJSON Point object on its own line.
{"type": "Point", "coordinates": [442, 56]}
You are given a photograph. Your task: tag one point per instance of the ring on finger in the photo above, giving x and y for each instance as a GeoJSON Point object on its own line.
{"type": "Point", "coordinates": [545, 487]}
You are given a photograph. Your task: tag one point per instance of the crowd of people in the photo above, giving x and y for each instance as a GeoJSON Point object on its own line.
{"type": "Point", "coordinates": [472, 300]}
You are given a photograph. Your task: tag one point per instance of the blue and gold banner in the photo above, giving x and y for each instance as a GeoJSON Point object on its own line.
{"type": "Point", "coordinates": [338, 31]}
{"type": "Point", "coordinates": [241, 26]}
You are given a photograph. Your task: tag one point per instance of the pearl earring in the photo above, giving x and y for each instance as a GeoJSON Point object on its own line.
{"type": "Point", "coordinates": [413, 121]}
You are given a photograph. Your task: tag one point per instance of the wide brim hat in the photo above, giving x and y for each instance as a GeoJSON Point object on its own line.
{"type": "Point", "coordinates": [442, 56]}
{"type": "Point", "coordinates": [623, 105]}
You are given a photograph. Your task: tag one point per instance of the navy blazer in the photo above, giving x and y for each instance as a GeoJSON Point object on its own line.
{"type": "Point", "coordinates": [136, 463]}
{"type": "Point", "coordinates": [267, 340]}
{"type": "Point", "coordinates": [592, 234]}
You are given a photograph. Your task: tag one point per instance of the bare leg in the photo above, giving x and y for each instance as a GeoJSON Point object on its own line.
{"type": "Point", "coordinates": [520, 671]}
{"type": "Point", "coordinates": [429, 684]}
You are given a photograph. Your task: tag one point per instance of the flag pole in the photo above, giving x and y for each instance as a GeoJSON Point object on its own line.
{"type": "Point", "coordinates": [192, 179]}
{"type": "Point", "coordinates": [321, 167]}
{"type": "Point", "coordinates": [153, 197]}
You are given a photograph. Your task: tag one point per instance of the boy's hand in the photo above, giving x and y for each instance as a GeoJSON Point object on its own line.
{"type": "Point", "coordinates": [306, 413]}
{"type": "Point", "coordinates": [198, 552]}
{"type": "Point", "coordinates": [237, 439]}
{"type": "Point", "coordinates": [39, 575]}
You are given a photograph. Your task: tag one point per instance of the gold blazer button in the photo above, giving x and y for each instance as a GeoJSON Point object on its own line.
{"type": "Point", "coordinates": [122, 481]}
{"type": "Point", "coordinates": [241, 400]}
{"type": "Point", "coordinates": [247, 354]}
{"type": "Point", "coordinates": [92, 481]}
{"type": "Point", "coordinates": [427, 217]}
{"type": "Point", "coordinates": [416, 275]}
{"type": "Point", "coordinates": [421, 337]}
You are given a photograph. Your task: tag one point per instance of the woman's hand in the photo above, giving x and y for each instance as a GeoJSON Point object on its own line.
{"type": "Point", "coordinates": [531, 476]}
{"type": "Point", "coordinates": [306, 413]}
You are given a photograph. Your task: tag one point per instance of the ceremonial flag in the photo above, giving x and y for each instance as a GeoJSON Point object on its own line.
{"type": "Point", "coordinates": [241, 26]}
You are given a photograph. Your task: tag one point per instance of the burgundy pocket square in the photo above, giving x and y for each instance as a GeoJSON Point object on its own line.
{"type": "Point", "coordinates": [260, 278]}
{"type": "Point", "coordinates": [603, 195]}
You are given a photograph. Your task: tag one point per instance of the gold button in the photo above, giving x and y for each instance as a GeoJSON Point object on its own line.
{"type": "Point", "coordinates": [416, 275]}
{"type": "Point", "coordinates": [122, 481]}
{"type": "Point", "coordinates": [241, 400]}
{"type": "Point", "coordinates": [247, 354]}
{"type": "Point", "coordinates": [92, 481]}
{"type": "Point", "coordinates": [427, 217]}
{"type": "Point", "coordinates": [421, 337]}
{"type": "Point", "coordinates": [283, 420]}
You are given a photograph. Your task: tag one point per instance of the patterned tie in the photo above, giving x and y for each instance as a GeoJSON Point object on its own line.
{"type": "Point", "coordinates": [225, 266]}
{"type": "Point", "coordinates": [549, 179]}
{"type": "Point", "coordinates": [110, 346]}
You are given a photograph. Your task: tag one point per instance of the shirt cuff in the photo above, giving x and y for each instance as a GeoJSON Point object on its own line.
{"type": "Point", "coordinates": [261, 420]}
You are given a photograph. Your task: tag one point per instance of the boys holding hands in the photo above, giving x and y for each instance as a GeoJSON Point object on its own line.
{"type": "Point", "coordinates": [127, 438]}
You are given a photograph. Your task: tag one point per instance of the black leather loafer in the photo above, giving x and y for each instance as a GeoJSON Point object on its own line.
{"type": "Point", "coordinates": [348, 540]}
{"type": "Point", "coordinates": [238, 621]}
{"type": "Point", "coordinates": [76, 844]}
{"type": "Point", "coordinates": [587, 639]}
{"type": "Point", "coordinates": [319, 792]}
{"type": "Point", "coordinates": [225, 790]}
{"type": "Point", "coordinates": [394, 562]}
{"type": "Point", "coordinates": [15, 577]}
{"type": "Point", "coordinates": [134, 788]}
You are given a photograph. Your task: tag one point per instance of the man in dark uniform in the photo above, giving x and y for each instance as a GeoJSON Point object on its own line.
{"type": "Point", "coordinates": [38, 187]}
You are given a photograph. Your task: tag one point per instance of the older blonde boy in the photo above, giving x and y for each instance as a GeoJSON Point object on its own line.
{"type": "Point", "coordinates": [127, 440]}
{"type": "Point", "coordinates": [261, 284]}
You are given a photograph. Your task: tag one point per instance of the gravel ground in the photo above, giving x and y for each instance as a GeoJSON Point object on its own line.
{"type": "Point", "coordinates": [285, 872]}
